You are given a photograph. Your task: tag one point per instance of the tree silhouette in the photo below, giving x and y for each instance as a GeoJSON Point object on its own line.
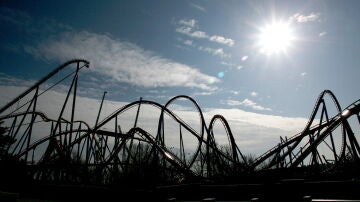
{"type": "Point", "coordinates": [5, 142]}
{"type": "Point", "coordinates": [13, 174]}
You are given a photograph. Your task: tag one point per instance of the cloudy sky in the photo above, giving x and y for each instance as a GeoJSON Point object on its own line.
{"type": "Point", "coordinates": [261, 63]}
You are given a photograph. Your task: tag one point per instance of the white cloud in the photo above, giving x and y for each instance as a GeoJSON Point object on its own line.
{"type": "Point", "coordinates": [222, 40]}
{"type": "Point", "coordinates": [187, 26]}
{"type": "Point", "coordinates": [188, 42]}
{"type": "Point", "coordinates": [235, 92]}
{"type": "Point", "coordinates": [305, 18]}
{"type": "Point", "coordinates": [322, 34]}
{"type": "Point", "coordinates": [184, 30]}
{"type": "Point", "coordinates": [303, 74]}
{"type": "Point", "coordinates": [123, 61]}
{"type": "Point", "coordinates": [214, 51]}
{"type": "Point", "coordinates": [198, 7]}
{"type": "Point", "coordinates": [232, 102]}
{"type": "Point", "coordinates": [157, 91]}
{"type": "Point", "coordinates": [202, 93]}
{"type": "Point", "coordinates": [254, 133]}
{"type": "Point", "coordinates": [8, 80]}
{"type": "Point", "coordinates": [247, 103]}
{"type": "Point", "coordinates": [199, 34]}
{"type": "Point", "coordinates": [254, 94]}
{"type": "Point", "coordinates": [229, 64]}
{"type": "Point", "coordinates": [194, 34]}
{"type": "Point", "coordinates": [219, 52]}
{"type": "Point", "coordinates": [189, 23]}
{"type": "Point", "coordinates": [270, 121]}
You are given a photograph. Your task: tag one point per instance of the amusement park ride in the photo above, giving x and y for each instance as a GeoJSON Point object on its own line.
{"type": "Point", "coordinates": [66, 151]}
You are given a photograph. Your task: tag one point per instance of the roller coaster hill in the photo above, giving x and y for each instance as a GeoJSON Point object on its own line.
{"type": "Point", "coordinates": [47, 151]}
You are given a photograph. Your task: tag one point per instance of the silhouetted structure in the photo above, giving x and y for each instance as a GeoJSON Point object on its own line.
{"type": "Point", "coordinates": [73, 153]}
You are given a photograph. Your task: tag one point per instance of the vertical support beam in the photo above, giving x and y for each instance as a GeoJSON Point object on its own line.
{"type": "Point", "coordinates": [331, 139]}
{"type": "Point", "coordinates": [208, 154]}
{"type": "Point", "coordinates": [73, 106]}
{"type": "Point", "coordinates": [352, 140]}
{"type": "Point", "coordinates": [19, 126]}
{"type": "Point", "coordinates": [87, 150]}
{"type": "Point", "coordinates": [96, 123]}
{"type": "Point", "coordinates": [313, 150]}
{"type": "Point", "coordinates": [291, 153]}
{"type": "Point", "coordinates": [182, 150]}
{"type": "Point", "coordinates": [33, 116]}
{"type": "Point", "coordinates": [64, 105]}
{"type": "Point", "coordinates": [101, 104]}
{"type": "Point", "coordinates": [135, 124]}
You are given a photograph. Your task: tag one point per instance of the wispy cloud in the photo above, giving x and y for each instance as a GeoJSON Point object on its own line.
{"type": "Point", "coordinates": [214, 51]}
{"type": "Point", "coordinates": [247, 103]}
{"type": "Point", "coordinates": [122, 61]}
{"type": "Point", "coordinates": [201, 93]}
{"type": "Point", "coordinates": [157, 91]}
{"type": "Point", "coordinates": [188, 42]}
{"type": "Point", "coordinates": [219, 51]}
{"type": "Point", "coordinates": [187, 28]}
{"type": "Point", "coordinates": [15, 17]}
{"type": "Point", "coordinates": [189, 32]}
{"type": "Point", "coordinates": [303, 74]}
{"type": "Point", "coordinates": [234, 92]}
{"type": "Point", "coordinates": [279, 122]}
{"type": "Point", "coordinates": [229, 64]}
{"type": "Point", "coordinates": [305, 18]}
{"type": "Point", "coordinates": [27, 24]}
{"type": "Point", "coordinates": [189, 23]}
{"type": "Point", "coordinates": [254, 94]}
{"type": "Point", "coordinates": [198, 7]}
{"type": "Point", "coordinates": [9, 80]}
{"type": "Point", "coordinates": [322, 34]}
{"type": "Point", "coordinates": [222, 40]}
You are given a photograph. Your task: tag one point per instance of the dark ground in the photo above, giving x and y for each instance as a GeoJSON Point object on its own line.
{"type": "Point", "coordinates": [284, 190]}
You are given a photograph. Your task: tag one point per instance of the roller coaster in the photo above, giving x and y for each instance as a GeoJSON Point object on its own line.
{"type": "Point", "coordinates": [59, 148]}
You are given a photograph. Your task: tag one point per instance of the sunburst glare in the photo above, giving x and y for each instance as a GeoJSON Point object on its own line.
{"type": "Point", "coordinates": [275, 38]}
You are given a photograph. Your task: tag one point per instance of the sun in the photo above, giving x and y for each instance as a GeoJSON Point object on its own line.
{"type": "Point", "coordinates": [275, 38]}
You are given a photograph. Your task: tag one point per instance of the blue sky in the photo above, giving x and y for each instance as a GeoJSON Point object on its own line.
{"type": "Point", "coordinates": [204, 49]}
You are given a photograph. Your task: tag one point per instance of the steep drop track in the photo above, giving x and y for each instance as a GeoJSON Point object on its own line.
{"type": "Point", "coordinates": [61, 149]}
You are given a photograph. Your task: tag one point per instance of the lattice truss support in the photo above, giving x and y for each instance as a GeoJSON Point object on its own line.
{"type": "Point", "coordinates": [69, 150]}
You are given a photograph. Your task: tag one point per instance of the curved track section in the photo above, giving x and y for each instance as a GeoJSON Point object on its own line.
{"type": "Point", "coordinates": [325, 139]}
{"type": "Point", "coordinates": [70, 150]}
{"type": "Point", "coordinates": [173, 148]}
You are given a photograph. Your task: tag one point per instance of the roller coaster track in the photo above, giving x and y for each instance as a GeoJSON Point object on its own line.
{"type": "Point", "coordinates": [324, 129]}
{"type": "Point", "coordinates": [61, 148]}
